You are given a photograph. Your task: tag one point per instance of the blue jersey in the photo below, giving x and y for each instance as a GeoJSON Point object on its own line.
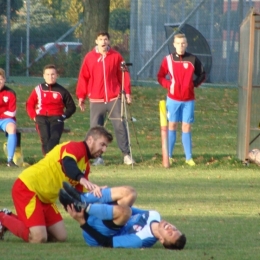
{"type": "Point", "coordinates": [136, 233]}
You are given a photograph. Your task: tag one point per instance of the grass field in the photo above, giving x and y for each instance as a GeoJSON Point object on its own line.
{"type": "Point", "coordinates": [216, 203]}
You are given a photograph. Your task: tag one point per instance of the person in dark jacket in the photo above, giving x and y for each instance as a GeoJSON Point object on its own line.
{"type": "Point", "coordinates": [49, 105]}
{"type": "Point", "coordinates": [185, 72]}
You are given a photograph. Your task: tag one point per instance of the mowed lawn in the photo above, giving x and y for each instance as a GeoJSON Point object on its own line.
{"type": "Point", "coordinates": [216, 203]}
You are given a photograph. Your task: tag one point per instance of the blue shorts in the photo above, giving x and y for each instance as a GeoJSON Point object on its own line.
{"type": "Point", "coordinates": [5, 122]}
{"type": "Point", "coordinates": [180, 111]}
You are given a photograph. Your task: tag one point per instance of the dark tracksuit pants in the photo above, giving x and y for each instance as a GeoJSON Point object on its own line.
{"type": "Point", "coordinates": [49, 130]}
{"type": "Point", "coordinates": [98, 112]}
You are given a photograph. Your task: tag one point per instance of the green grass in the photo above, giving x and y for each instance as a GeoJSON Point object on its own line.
{"type": "Point", "coordinates": [216, 203]}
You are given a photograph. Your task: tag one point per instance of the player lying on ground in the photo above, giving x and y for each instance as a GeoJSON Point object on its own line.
{"type": "Point", "coordinates": [111, 223]}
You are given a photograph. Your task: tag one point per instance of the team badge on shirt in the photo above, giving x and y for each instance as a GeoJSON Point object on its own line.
{"type": "Point", "coordinates": [55, 95]}
{"type": "Point", "coordinates": [185, 65]}
{"type": "Point", "coordinates": [5, 99]}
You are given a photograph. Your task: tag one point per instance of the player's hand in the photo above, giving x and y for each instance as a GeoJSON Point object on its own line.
{"type": "Point", "coordinates": [128, 99]}
{"type": "Point", "coordinates": [97, 191]}
{"type": "Point", "coordinates": [87, 184]}
{"type": "Point", "coordinates": [78, 216]}
{"type": "Point", "coordinates": [82, 104]}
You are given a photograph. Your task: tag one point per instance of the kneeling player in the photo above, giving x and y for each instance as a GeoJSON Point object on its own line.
{"type": "Point", "coordinates": [115, 224]}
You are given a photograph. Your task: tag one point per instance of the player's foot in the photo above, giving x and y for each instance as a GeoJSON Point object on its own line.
{"type": "Point", "coordinates": [2, 228]}
{"type": "Point", "coordinates": [128, 159]}
{"type": "Point", "coordinates": [190, 162]}
{"type": "Point", "coordinates": [11, 164]}
{"type": "Point", "coordinates": [72, 191]}
{"type": "Point", "coordinates": [66, 199]}
{"type": "Point", "coordinates": [98, 161]}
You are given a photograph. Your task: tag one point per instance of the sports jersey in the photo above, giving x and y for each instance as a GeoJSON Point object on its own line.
{"type": "Point", "coordinates": [180, 69]}
{"type": "Point", "coordinates": [136, 233]}
{"type": "Point", "coordinates": [45, 177]}
{"type": "Point", "coordinates": [50, 100]}
{"type": "Point", "coordinates": [7, 103]}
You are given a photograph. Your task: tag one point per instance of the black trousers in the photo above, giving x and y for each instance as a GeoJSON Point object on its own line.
{"type": "Point", "coordinates": [49, 130]}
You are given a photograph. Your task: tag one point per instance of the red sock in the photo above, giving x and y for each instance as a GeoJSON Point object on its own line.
{"type": "Point", "coordinates": [15, 226]}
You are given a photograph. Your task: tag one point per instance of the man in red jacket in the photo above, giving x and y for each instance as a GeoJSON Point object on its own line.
{"type": "Point", "coordinates": [49, 105]}
{"type": "Point", "coordinates": [100, 79]}
{"type": "Point", "coordinates": [185, 72]}
{"type": "Point", "coordinates": [7, 117]}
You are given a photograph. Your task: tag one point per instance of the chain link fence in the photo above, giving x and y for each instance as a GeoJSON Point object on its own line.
{"type": "Point", "coordinates": [214, 22]}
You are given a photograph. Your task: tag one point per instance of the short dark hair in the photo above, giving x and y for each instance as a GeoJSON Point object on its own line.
{"type": "Point", "coordinates": [49, 66]}
{"type": "Point", "coordinates": [98, 131]}
{"type": "Point", "coordinates": [178, 245]}
{"type": "Point", "coordinates": [103, 33]}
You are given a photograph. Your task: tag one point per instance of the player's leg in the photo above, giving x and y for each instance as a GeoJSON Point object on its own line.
{"type": "Point", "coordinates": [173, 116]}
{"type": "Point", "coordinates": [30, 226]}
{"type": "Point", "coordinates": [56, 129]}
{"type": "Point", "coordinates": [123, 195]}
{"type": "Point", "coordinates": [55, 224]}
{"type": "Point", "coordinates": [9, 126]}
{"type": "Point", "coordinates": [187, 120]}
{"type": "Point", "coordinates": [43, 129]}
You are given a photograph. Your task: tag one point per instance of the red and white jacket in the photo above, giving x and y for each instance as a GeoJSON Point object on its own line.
{"type": "Point", "coordinates": [7, 103]}
{"type": "Point", "coordinates": [181, 69]}
{"type": "Point", "coordinates": [50, 100]}
{"type": "Point", "coordinates": [100, 77]}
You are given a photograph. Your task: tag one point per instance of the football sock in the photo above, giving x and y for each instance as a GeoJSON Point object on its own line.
{"type": "Point", "coordinates": [186, 141]}
{"type": "Point", "coordinates": [11, 144]}
{"type": "Point", "coordinates": [171, 141]}
{"type": "Point", "coordinates": [101, 211]}
{"type": "Point", "coordinates": [15, 226]}
{"type": "Point", "coordinates": [91, 198]}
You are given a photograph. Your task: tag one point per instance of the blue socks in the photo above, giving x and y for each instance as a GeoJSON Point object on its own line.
{"type": "Point", "coordinates": [171, 141]}
{"type": "Point", "coordinates": [186, 141]}
{"type": "Point", "coordinates": [11, 145]}
{"type": "Point", "coordinates": [91, 198]}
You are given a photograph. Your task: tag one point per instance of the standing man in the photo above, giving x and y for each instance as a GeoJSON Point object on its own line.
{"type": "Point", "coordinates": [37, 187]}
{"type": "Point", "coordinates": [49, 105]}
{"type": "Point", "coordinates": [185, 72]}
{"type": "Point", "coordinates": [100, 79]}
{"type": "Point", "coordinates": [7, 117]}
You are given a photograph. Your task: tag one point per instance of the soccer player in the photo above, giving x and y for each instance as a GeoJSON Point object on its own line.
{"type": "Point", "coordinates": [110, 223]}
{"type": "Point", "coordinates": [36, 190]}
{"type": "Point", "coordinates": [100, 79]}
{"type": "Point", "coordinates": [7, 117]}
{"type": "Point", "coordinates": [184, 72]}
{"type": "Point", "coordinates": [49, 105]}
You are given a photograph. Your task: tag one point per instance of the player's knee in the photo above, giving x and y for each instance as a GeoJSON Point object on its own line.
{"type": "Point", "coordinates": [131, 194]}
{"type": "Point", "coordinates": [37, 238]}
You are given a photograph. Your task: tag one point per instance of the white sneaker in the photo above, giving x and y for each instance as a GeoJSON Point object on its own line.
{"type": "Point", "coordinates": [128, 160]}
{"type": "Point", "coordinates": [98, 161]}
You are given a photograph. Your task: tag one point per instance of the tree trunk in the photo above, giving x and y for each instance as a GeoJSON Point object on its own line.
{"type": "Point", "coordinates": [96, 18]}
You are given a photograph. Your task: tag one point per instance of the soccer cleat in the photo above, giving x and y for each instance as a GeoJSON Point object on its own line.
{"type": "Point", "coordinates": [2, 228]}
{"type": "Point", "coordinates": [66, 199]}
{"type": "Point", "coordinates": [11, 164]}
{"type": "Point", "coordinates": [190, 162]}
{"type": "Point", "coordinates": [72, 191]}
{"type": "Point", "coordinates": [98, 161]}
{"type": "Point", "coordinates": [128, 160]}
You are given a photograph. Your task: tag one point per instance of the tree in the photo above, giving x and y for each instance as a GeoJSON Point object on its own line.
{"type": "Point", "coordinates": [15, 6]}
{"type": "Point", "coordinates": [96, 18]}
{"type": "Point", "coordinates": [120, 20]}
